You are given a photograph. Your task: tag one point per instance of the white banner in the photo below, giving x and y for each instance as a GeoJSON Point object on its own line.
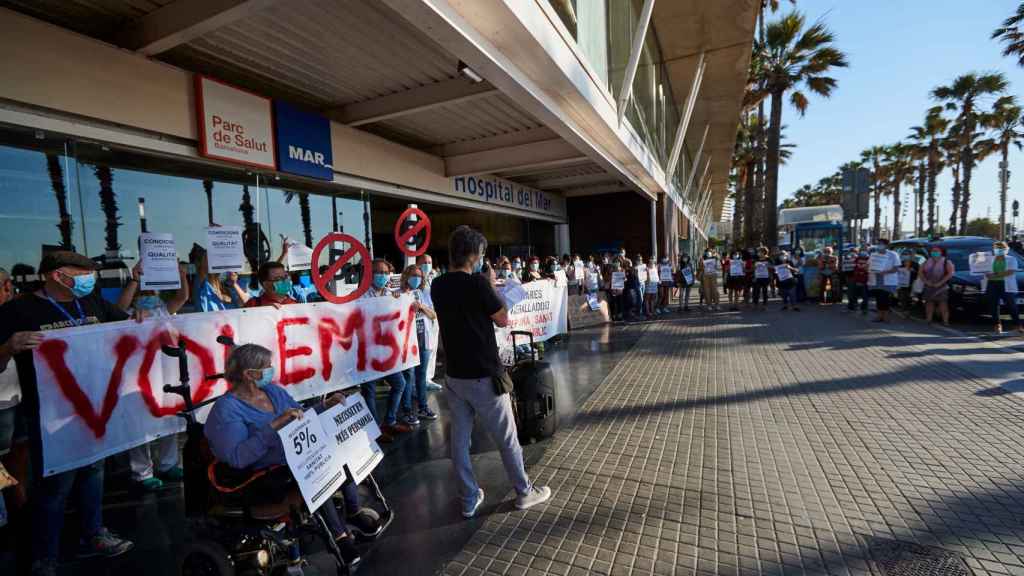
{"type": "Point", "coordinates": [101, 386]}
{"type": "Point", "coordinates": [543, 312]}
{"type": "Point", "coordinates": [224, 249]}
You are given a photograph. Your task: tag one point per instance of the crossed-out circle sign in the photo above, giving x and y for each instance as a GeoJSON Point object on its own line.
{"type": "Point", "coordinates": [321, 280]}
{"type": "Point", "coordinates": [406, 229]}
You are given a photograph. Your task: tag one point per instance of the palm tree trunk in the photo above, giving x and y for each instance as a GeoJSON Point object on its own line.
{"type": "Point", "coordinates": [208, 188]}
{"type": "Point", "coordinates": [108, 202]}
{"type": "Point", "coordinates": [922, 181]}
{"type": "Point", "coordinates": [965, 187]}
{"type": "Point", "coordinates": [897, 204]}
{"type": "Point", "coordinates": [246, 207]}
{"type": "Point", "coordinates": [737, 208]}
{"type": "Point", "coordinates": [771, 192]}
{"type": "Point", "coordinates": [757, 195]}
{"type": "Point", "coordinates": [61, 194]}
{"type": "Point", "coordinates": [1005, 149]}
{"type": "Point", "coordinates": [877, 188]}
{"type": "Point", "coordinates": [956, 200]}
{"type": "Point", "coordinates": [749, 204]}
{"type": "Point", "coordinates": [307, 225]}
{"type": "Point", "coordinates": [932, 176]}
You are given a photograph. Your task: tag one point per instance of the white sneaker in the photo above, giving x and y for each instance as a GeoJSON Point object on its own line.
{"type": "Point", "coordinates": [471, 511]}
{"type": "Point", "coordinates": [536, 495]}
{"type": "Point", "coordinates": [431, 385]}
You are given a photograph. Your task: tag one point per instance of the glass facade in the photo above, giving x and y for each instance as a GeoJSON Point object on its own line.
{"type": "Point", "coordinates": [58, 192]}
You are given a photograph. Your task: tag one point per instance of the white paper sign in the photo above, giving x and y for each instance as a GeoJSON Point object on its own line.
{"type": "Point", "coordinates": [761, 270]}
{"type": "Point", "coordinates": [711, 266]}
{"type": "Point", "coordinates": [981, 263]}
{"type": "Point", "coordinates": [315, 464]}
{"type": "Point", "coordinates": [848, 263]}
{"type": "Point", "coordinates": [159, 262]}
{"type": "Point", "coordinates": [513, 293]}
{"type": "Point", "coordinates": [879, 262]}
{"type": "Point", "coordinates": [593, 302]}
{"type": "Point", "coordinates": [224, 249]}
{"type": "Point", "coordinates": [578, 271]}
{"type": "Point", "coordinates": [560, 278]}
{"type": "Point", "coordinates": [782, 271]}
{"type": "Point", "coordinates": [665, 274]}
{"type": "Point", "coordinates": [593, 279]}
{"type": "Point", "coordinates": [618, 280]}
{"type": "Point", "coordinates": [688, 276]}
{"type": "Point", "coordinates": [354, 432]}
{"type": "Point", "coordinates": [641, 273]}
{"type": "Point", "coordinates": [299, 256]}
{"type": "Point", "coordinates": [736, 267]}
{"type": "Point", "coordinates": [904, 277]}
{"type": "Point", "coordinates": [652, 275]}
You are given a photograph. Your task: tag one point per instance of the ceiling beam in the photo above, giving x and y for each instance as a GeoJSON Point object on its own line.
{"type": "Point", "coordinates": [634, 55]}
{"type": "Point", "coordinates": [182, 21]}
{"type": "Point", "coordinates": [538, 155]}
{"type": "Point", "coordinates": [574, 181]}
{"type": "Point", "coordinates": [691, 102]}
{"type": "Point", "coordinates": [494, 142]}
{"type": "Point", "coordinates": [419, 99]}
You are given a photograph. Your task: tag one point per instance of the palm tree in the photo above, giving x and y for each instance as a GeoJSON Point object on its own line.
{"type": "Point", "coordinates": [792, 57]}
{"type": "Point", "coordinates": [208, 188]}
{"type": "Point", "coordinates": [61, 193]}
{"type": "Point", "coordinates": [307, 226]}
{"type": "Point", "coordinates": [1011, 36]}
{"type": "Point", "coordinates": [874, 156]}
{"type": "Point", "coordinates": [951, 150]}
{"type": "Point", "coordinates": [966, 95]}
{"type": "Point", "coordinates": [246, 208]}
{"type": "Point", "coordinates": [900, 164]}
{"type": "Point", "coordinates": [1006, 122]}
{"type": "Point", "coordinates": [929, 138]}
{"type": "Point", "coordinates": [108, 203]}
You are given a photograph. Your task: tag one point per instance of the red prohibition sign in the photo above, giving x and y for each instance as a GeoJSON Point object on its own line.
{"type": "Point", "coordinates": [422, 223]}
{"type": "Point", "coordinates": [321, 280]}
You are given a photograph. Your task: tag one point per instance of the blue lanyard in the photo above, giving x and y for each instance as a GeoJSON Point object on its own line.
{"type": "Point", "coordinates": [81, 315]}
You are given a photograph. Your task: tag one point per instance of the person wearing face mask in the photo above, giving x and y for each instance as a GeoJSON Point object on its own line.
{"type": "Point", "coordinates": [667, 277]}
{"type": "Point", "coordinates": [883, 277]}
{"type": "Point", "coordinates": [651, 289]}
{"type": "Point", "coordinates": [685, 279]}
{"type": "Point", "coordinates": [213, 292]}
{"type": "Point", "coordinates": [935, 275]}
{"type": "Point", "coordinates": [517, 266]}
{"type": "Point", "coordinates": [143, 305]}
{"type": "Point", "coordinates": [276, 285]}
{"type": "Point", "coordinates": [242, 427]}
{"type": "Point", "coordinates": [416, 378]}
{"type": "Point", "coordinates": [786, 272]}
{"type": "Point", "coordinates": [391, 427]}
{"type": "Point", "coordinates": [66, 299]}
{"type": "Point", "coordinates": [426, 265]}
{"type": "Point", "coordinates": [616, 294]}
{"type": "Point", "coordinates": [798, 260]}
{"type": "Point", "coordinates": [762, 277]}
{"type": "Point", "coordinates": [710, 269]}
{"type": "Point", "coordinates": [908, 273]}
{"type": "Point", "coordinates": [1000, 285]}
{"type": "Point", "coordinates": [468, 309]}
{"type": "Point", "coordinates": [532, 271]}
{"type": "Point", "coordinates": [857, 283]}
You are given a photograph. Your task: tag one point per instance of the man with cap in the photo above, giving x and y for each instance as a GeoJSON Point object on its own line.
{"type": "Point", "coordinates": [66, 298]}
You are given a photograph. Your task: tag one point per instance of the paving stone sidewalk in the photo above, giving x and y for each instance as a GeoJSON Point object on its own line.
{"type": "Point", "coordinates": [763, 443]}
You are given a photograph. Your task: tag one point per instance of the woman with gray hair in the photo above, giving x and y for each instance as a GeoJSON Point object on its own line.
{"type": "Point", "coordinates": [242, 433]}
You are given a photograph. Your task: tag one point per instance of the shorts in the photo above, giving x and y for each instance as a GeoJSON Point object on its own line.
{"type": "Point", "coordinates": [12, 428]}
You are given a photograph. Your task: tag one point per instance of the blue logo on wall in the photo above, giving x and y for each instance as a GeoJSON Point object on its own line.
{"type": "Point", "coordinates": [303, 142]}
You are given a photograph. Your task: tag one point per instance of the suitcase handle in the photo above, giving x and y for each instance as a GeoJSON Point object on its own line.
{"type": "Point", "coordinates": [515, 350]}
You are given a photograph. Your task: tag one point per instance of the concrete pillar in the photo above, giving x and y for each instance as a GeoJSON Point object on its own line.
{"type": "Point", "coordinates": [562, 240]}
{"type": "Point", "coordinates": [654, 228]}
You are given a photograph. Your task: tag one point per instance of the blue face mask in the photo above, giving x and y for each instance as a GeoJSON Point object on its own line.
{"type": "Point", "coordinates": [283, 287]}
{"type": "Point", "coordinates": [425, 269]}
{"type": "Point", "coordinates": [380, 280]}
{"type": "Point", "coordinates": [83, 284]}
{"type": "Point", "coordinates": [478, 266]}
{"type": "Point", "coordinates": [265, 378]}
{"type": "Point", "coordinates": [149, 302]}
{"type": "Point", "coordinates": [414, 282]}
{"type": "Point", "coordinates": [999, 251]}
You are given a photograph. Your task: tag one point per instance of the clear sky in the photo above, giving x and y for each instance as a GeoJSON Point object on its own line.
{"type": "Point", "coordinates": [898, 51]}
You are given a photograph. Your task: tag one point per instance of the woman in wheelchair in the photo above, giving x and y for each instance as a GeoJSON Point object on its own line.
{"type": "Point", "coordinates": [241, 430]}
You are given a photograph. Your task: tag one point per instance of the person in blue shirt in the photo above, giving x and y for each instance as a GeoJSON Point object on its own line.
{"type": "Point", "coordinates": [212, 293]}
{"type": "Point", "coordinates": [242, 432]}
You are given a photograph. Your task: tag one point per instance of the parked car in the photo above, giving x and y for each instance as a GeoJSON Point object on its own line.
{"type": "Point", "coordinates": [965, 290]}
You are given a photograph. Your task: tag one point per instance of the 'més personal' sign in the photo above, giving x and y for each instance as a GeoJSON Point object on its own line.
{"type": "Point", "coordinates": [234, 125]}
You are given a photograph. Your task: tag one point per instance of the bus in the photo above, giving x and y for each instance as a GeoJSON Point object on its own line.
{"type": "Point", "coordinates": [811, 227]}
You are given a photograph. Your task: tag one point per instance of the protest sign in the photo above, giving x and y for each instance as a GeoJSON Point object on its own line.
{"type": "Point", "coordinates": [101, 386]}
{"type": "Point", "coordinates": [782, 271]}
{"type": "Point", "coordinates": [311, 457]}
{"type": "Point", "coordinates": [652, 275]}
{"type": "Point", "coordinates": [618, 280]}
{"type": "Point", "coordinates": [579, 271]}
{"type": "Point", "coordinates": [224, 249]}
{"type": "Point", "coordinates": [299, 257]}
{"type": "Point", "coordinates": [903, 275]}
{"type": "Point", "coordinates": [665, 273]}
{"type": "Point", "coordinates": [981, 263]}
{"type": "Point", "coordinates": [593, 280]}
{"type": "Point", "coordinates": [848, 262]}
{"type": "Point", "coordinates": [159, 260]}
{"type": "Point", "coordinates": [736, 267]}
{"type": "Point", "coordinates": [641, 273]}
{"type": "Point", "coordinates": [560, 278]}
{"type": "Point", "coordinates": [543, 312]}
{"type": "Point", "coordinates": [761, 270]}
{"type": "Point", "coordinates": [512, 292]}
{"type": "Point", "coordinates": [711, 266]}
{"type": "Point", "coordinates": [879, 262]}
{"type": "Point", "coordinates": [688, 276]}
{"type": "Point", "coordinates": [593, 302]}
{"type": "Point", "coordinates": [353, 431]}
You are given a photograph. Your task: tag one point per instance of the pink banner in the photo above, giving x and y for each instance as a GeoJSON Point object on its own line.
{"type": "Point", "coordinates": [101, 387]}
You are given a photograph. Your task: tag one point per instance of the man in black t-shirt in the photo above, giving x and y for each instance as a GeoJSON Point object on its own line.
{"type": "Point", "coordinates": [467, 309]}
{"type": "Point", "coordinates": [67, 298]}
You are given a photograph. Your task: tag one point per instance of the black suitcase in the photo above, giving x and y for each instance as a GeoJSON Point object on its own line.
{"type": "Point", "coordinates": [533, 396]}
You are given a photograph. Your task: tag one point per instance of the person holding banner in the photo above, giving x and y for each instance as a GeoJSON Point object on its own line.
{"type": "Point", "coordinates": [143, 305]}
{"type": "Point", "coordinates": [532, 272]}
{"type": "Point", "coordinates": [710, 268]}
{"type": "Point", "coordinates": [416, 378]}
{"type": "Point", "coordinates": [426, 265]}
{"type": "Point", "coordinates": [66, 299]}
{"type": "Point", "coordinates": [685, 281]}
{"type": "Point", "coordinates": [616, 282]}
{"type": "Point", "coordinates": [1000, 285]}
{"type": "Point", "coordinates": [883, 277]}
{"type": "Point", "coordinates": [391, 427]}
{"type": "Point", "coordinates": [276, 285]}
{"type": "Point", "coordinates": [762, 278]}
{"type": "Point", "coordinates": [241, 431]}
{"type": "Point", "coordinates": [667, 284]}
{"type": "Point", "coordinates": [468, 308]}
{"type": "Point", "coordinates": [786, 273]}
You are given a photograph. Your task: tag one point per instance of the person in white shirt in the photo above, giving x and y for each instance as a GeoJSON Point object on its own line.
{"type": "Point", "coordinates": [883, 277]}
{"type": "Point", "coordinates": [390, 427]}
{"type": "Point", "coordinates": [1000, 285]}
{"type": "Point", "coordinates": [426, 266]}
{"type": "Point", "coordinates": [142, 305]}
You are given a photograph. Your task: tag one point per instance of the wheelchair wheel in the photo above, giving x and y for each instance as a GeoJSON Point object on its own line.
{"type": "Point", "coordinates": [205, 558]}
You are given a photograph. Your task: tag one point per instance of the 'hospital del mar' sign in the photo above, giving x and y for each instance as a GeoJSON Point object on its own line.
{"type": "Point", "coordinates": [494, 190]}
